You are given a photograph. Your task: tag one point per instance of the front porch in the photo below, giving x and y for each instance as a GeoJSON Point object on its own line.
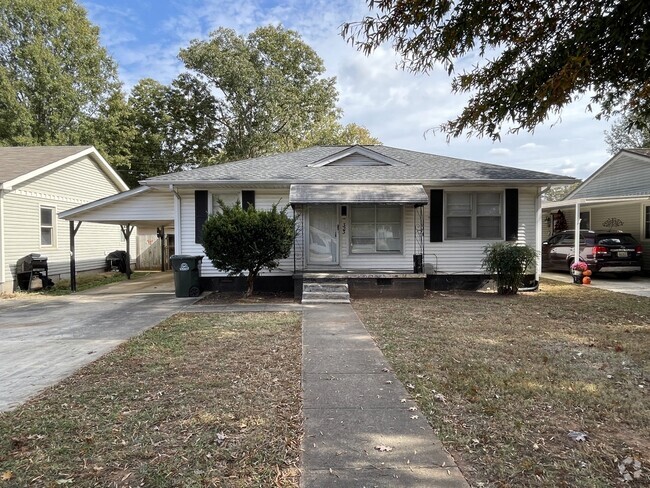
{"type": "Point", "coordinates": [364, 283]}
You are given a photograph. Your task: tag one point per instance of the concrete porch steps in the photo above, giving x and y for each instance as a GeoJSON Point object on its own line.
{"type": "Point", "coordinates": [330, 291]}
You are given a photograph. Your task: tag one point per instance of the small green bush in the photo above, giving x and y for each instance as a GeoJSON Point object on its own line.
{"type": "Point", "coordinates": [508, 263]}
{"type": "Point", "coordinates": [238, 240]}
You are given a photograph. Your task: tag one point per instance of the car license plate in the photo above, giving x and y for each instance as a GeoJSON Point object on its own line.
{"type": "Point", "coordinates": [621, 254]}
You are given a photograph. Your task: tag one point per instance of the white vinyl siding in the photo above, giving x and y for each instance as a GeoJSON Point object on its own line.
{"type": "Point", "coordinates": [626, 175]}
{"type": "Point", "coordinates": [264, 200]}
{"type": "Point", "coordinates": [450, 257]}
{"type": "Point", "coordinates": [66, 187]}
{"type": "Point", "coordinates": [464, 256]}
{"type": "Point", "coordinates": [473, 215]}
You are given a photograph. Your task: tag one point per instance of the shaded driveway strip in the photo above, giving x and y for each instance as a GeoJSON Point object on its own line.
{"type": "Point", "coordinates": [44, 339]}
{"type": "Point", "coordinates": [636, 285]}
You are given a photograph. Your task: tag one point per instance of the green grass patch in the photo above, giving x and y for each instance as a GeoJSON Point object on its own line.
{"type": "Point", "coordinates": [504, 379]}
{"type": "Point", "coordinates": [200, 400]}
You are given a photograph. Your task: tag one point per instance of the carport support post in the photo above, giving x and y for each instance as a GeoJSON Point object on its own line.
{"type": "Point", "coordinates": [576, 243]}
{"type": "Point", "coordinates": [126, 232]}
{"type": "Point", "coordinates": [73, 263]}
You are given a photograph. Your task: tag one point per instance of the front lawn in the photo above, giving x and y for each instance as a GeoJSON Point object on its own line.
{"type": "Point", "coordinates": [504, 380]}
{"type": "Point", "coordinates": [200, 400]}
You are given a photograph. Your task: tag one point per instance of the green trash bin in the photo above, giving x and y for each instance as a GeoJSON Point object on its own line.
{"type": "Point", "coordinates": [187, 275]}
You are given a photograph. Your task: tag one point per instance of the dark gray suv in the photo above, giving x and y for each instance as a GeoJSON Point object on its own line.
{"type": "Point", "coordinates": [604, 252]}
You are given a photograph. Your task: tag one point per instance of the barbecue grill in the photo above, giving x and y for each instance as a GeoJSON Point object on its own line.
{"type": "Point", "coordinates": [29, 266]}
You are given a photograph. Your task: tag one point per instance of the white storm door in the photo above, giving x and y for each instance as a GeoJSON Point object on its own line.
{"type": "Point", "coordinates": [323, 238]}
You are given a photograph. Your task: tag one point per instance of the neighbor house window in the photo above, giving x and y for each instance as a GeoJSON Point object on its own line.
{"type": "Point", "coordinates": [474, 215]}
{"type": "Point", "coordinates": [376, 229]}
{"type": "Point", "coordinates": [585, 220]}
{"type": "Point", "coordinates": [647, 222]}
{"type": "Point", "coordinates": [47, 227]}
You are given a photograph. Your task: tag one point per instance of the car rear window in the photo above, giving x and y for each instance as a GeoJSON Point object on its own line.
{"type": "Point", "coordinates": [615, 240]}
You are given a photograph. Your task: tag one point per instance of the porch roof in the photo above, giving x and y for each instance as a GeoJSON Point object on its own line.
{"type": "Point", "coordinates": [321, 193]}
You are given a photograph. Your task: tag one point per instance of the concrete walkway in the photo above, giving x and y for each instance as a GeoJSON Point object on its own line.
{"type": "Point", "coordinates": [353, 404]}
{"type": "Point", "coordinates": [45, 339]}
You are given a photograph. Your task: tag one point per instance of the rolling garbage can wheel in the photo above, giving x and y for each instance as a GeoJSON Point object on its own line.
{"type": "Point", "coordinates": [194, 291]}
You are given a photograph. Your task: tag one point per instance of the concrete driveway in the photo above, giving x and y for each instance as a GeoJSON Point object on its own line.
{"type": "Point", "coordinates": [637, 285]}
{"type": "Point", "coordinates": [45, 339]}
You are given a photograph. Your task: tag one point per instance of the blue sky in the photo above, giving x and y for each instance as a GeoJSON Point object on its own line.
{"type": "Point", "coordinates": [144, 37]}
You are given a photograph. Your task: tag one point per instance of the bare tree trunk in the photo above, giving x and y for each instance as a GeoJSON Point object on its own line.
{"type": "Point", "coordinates": [250, 281]}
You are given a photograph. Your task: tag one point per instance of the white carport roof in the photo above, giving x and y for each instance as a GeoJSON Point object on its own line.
{"type": "Point", "coordinates": [141, 206]}
{"type": "Point", "coordinates": [595, 201]}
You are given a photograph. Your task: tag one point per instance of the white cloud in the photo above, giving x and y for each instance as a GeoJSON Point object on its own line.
{"type": "Point", "coordinates": [398, 107]}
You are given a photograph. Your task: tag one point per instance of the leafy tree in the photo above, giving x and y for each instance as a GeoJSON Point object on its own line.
{"type": "Point", "coordinates": [331, 132]}
{"type": "Point", "coordinates": [176, 125]}
{"type": "Point", "coordinates": [509, 265]}
{"type": "Point", "coordinates": [557, 193]}
{"type": "Point", "coordinates": [271, 93]}
{"type": "Point", "coordinates": [534, 57]}
{"type": "Point", "coordinates": [54, 74]}
{"type": "Point", "coordinates": [238, 240]}
{"type": "Point", "coordinates": [627, 134]}
{"type": "Point", "coordinates": [112, 132]}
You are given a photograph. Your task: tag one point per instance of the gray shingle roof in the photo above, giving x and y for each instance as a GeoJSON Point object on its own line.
{"type": "Point", "coordinates": [293, 167]}
{"type": "Point", "coordinates": [18, 161]}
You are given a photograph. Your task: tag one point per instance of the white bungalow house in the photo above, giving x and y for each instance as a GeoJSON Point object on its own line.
{"type": "Point", "coordinates": [389, 220]}
{"type": "Point", "coordinates": [615, 197]}
{"type": "Point", "coordinates": [36, 183]}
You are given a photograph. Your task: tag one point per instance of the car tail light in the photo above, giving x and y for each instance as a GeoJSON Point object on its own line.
{"type": "Point", "coordinates": [638, 249]}
{"type": "Point", "coordinates": [600, 250]}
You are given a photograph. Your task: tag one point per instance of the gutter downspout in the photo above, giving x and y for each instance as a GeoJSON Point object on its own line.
{"type": "Point", "coordinates": [538, 232]}
{"type": "Point", "coordinates": [3, 264]}
{"type": "Point", "coordinates": [178, 230]}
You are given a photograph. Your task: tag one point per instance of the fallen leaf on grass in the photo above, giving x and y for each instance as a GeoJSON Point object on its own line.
{"type": "Point", "coordinates": [7, 475]}
{"type": "Point", "coordinates": [383, 448]}
{"type": "Point", "coordinates": [578, 436]}
{"type": "Point", "coordinates": [440, 397]}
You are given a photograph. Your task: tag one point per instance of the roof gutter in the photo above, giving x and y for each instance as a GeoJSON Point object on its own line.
{"type": "Point", "coordinates": [535, 183]}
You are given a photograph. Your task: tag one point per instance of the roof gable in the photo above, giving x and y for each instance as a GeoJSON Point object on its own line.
{"type": "Point", "coordinates": [20, 164]}
{"type": "Point", "coordinates": [356, 156]}
{"type": "Point", "coordinates": [626, 174]}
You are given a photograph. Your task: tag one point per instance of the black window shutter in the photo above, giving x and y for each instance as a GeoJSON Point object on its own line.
{"type": "Point", "coordinates": [247, 199]}
{"type": "Point", "coordinates": [200, 214]}
{"type": "Point", "coordinates": [512, 214]}
{"type": "Point", "coordinates": [436, 208]}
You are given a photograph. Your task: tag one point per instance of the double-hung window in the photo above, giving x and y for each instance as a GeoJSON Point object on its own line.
{"type": "Point", "coordinates": [474, 215]}
{"type": "Point", "coordinates": [376, 229]}
{"type": "Point", "coordinates": [647, 222]}
{"type": "Point", "coordinates": [48, 236]}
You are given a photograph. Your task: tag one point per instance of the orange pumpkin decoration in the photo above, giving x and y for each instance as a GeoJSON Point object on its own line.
{"type": "Point", "coordinates": [586, 272]}
{"type": "Point", "coordinates": [586, 280]}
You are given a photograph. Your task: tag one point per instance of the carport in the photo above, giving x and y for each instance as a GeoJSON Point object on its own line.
{"type": "Point", "coordinates": [130, 209]}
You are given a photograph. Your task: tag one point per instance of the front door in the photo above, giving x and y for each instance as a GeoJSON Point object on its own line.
{"type": "Point", "coordinates": [323, 236]}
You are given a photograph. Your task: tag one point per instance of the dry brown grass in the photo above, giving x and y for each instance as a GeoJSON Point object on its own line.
{"type": "Point", "coordinates": [200, 400]}
{"type": "Point", "coordinates": [516, 374]}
